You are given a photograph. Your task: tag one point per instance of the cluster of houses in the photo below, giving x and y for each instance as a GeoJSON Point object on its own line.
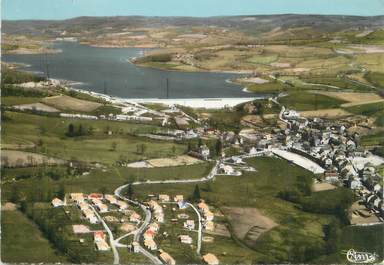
{"type": "Point", "coordinates": [337, 150]}
{"type": "Point", "coordinates": [89, 204]}
{"type": "Point", "coordinates": [207, 216]}
{"type": "Point", "coordinates": [203, 152]}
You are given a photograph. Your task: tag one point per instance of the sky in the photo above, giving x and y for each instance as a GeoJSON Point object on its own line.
{"type": "Point", "coordinates": [64, 9]}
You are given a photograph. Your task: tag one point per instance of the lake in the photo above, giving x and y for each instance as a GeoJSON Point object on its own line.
{"type": "Point", "coordinates": [99, 69]}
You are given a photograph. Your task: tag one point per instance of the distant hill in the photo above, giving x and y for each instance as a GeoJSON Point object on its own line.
{"type": "Point", "coordinates": [250, 24]}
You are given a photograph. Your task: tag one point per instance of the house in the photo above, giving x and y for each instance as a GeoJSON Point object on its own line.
{"type": "Point", "coordinates": [110, 198]}
{"type": "Point", "coordinates": [209, 216]}
{"type": "Point", "coordinates": [182, 204]}
{"type": "Point", "coordinates": [377, 188]}
{"type": "Point", "coordinates": [122, 205]}
{"type": "Point", "coordinates": [203, 207]}
{"type": "Point", "coordinates": [167, 259]}
{"type": "Point", "coordinates": [102, 246]}
{"type": "Point", "coordinates": [99, 236]}
{"type": "Point", "coordinates": [83, 206]}
{"type": "Point", "coordinates": [164, 198]}
{"type": "Point", "coordinates": [185, 239]}
{"type": "Point", "coordinates": [154, 227]}
{"type": "Point", "coordinates": [210, 259]}
{"type": "Point", "coordinates": [226, 169]}
{"type": "Point", "coordinates": [56, 202]}
{"type": "Point", "coordinates": [88, 213]}
{"type": "Point", "coordinates": [209, 226]}
{"type": "Point", "coordinates": [150, 244]}
{"type": "Point", "coordinates": [183, 216]}
{"type": "Point", "coordinates": [96, 201]}
{"type": "Point", "coordinates": [80, 229]}
{"type": "Point", "coordinates": [355, 184]}
{"type": "Point", "coordinates": [189, 224]}
{"type": "Point", "coordinates": [95, 196]}
{"type": "Point", "coordinates": [135, 218]}
{"type": "Point", "coordinates": [149, 234]}
{"type": "Point", "coordinates": [126, 227]}
{"type": "Point", "coordinates": [103, 208]}
{"type": "Point", "coordinates": [291, 114]}
{"type": "Point", "coordinates": [204, 152]}
{"type": "Point", "coordinates": [135, 247]}
{"type": "Point", "coordinates": [178, 198]}
{"type": "Point", "coordinates": [77, 197]}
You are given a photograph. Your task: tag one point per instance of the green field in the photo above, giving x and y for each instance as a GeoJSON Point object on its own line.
{"type": "Point", "coordinates": [22, 241]}
{"type": "Point", "coordinates": [37, 183]}
{"type": "Point", "coordinates": [373, 139]}
{"type": "Point", "coordinates": [371, 109]}
{"type": "Point", "coordinates": [307, 101]}
{"type": "Point", "coordinates": [375, 78]}
{"type": "Point", "coordinates": [10, 101]}
{"type": "Point", "coordinates": [94, 146]}
{"type": "Point", "coordinates": [260, 190]}
{"type": "Point", "coordinates": [359, 238]}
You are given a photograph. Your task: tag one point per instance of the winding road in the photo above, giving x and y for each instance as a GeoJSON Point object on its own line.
{"type": "Point", "coordinates": [116, 257]}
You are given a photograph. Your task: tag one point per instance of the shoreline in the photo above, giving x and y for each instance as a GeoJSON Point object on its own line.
{"type": "Point", "coordinates": [207, 103]}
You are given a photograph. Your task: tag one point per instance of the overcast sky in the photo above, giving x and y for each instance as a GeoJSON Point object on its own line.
{"type": "Point", "coordinates": [62, 9]}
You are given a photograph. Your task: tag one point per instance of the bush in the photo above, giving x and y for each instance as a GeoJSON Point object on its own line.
{"type": "Point", "coordinates": [160, 58]}
{"type": "Point", "coordinates": [9, 76]}
{"type": "Point", "coordinates": [11, 90]}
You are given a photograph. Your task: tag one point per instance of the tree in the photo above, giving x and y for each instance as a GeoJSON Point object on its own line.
{"type": "Point", "coordinates": [91, 130]}
{"type": "Point", "coordinates": [15, 194]}
{"type": "Point", "coordinates": [196, 194]}
{"type": "Point", "coordinates": [103, 190]}
{"type": "Point", "coordinates": [113, 146]}
{"type": "Point", "coordinates": [143, 148]}
{"type": "Point", "coordinates": [130, 191]}
{"type": "Point", "coordinates": [40, 142]}
{"type": "Point", "coordinates": [71, 130]}
{"type": "Point", "coordinates": [218, 147]}
{"type": "Point", "coordinates": [80, 130]}
{"type": "Point", "coordinates": [61, 191]}
{"type": "Point", "coordinates": [200, 142]}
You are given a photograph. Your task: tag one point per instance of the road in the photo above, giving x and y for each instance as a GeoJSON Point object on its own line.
{"type": "Point", "coordinates": [143, 227]}
{"type": "Point", "coordinates": [200, 229]}
{"type": "Point", "coordinates": [116, 258]}
{"type": "Point", "coordinates": [148, 215]}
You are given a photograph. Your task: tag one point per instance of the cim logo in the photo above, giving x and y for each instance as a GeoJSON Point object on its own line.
{"type": "Point", "coordinates": [361, 257]}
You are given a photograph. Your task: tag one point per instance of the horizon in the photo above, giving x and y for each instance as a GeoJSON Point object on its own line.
{"type": "Point", "coordinates": [13, 10]}
{"type": "Point", "coordinates": [197, 17]}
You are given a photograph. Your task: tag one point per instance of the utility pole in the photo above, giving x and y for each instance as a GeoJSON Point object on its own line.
{"type": "Point", "coordinates": [105, 88]}
{"type": "Point", "coordinates": [46, 66]}
{"type": "Point", "coordinates": [167, 87]}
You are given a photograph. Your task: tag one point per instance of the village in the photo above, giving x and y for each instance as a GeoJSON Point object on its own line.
{"type": "Point", "coordinates": [98, 212]}
{"type": "Point", "coordinates": [328, 149]}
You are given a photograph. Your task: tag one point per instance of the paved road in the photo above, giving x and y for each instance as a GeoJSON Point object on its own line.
{"type": "Point", "coordinates": [116, 258]}
{"type": "Point", "coordinates": [143, 227]}
{"type": "Point", "coordinates": [148, 214]}
{"type": "Point", "coordinates": [199, 230]}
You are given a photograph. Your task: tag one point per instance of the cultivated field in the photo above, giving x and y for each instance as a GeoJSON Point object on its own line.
{"type": "Point", "coordinates": [248, 223]}
{"type": "Point", "coordinates": [36, 107]}
{"type": "Point", "coordinates": [12, 158]}
{"type": "Point", "coordinates": [67, 103]}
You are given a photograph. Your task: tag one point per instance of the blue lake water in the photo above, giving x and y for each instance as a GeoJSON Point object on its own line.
{"type": "Point", "coordinates": [96, 68]}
